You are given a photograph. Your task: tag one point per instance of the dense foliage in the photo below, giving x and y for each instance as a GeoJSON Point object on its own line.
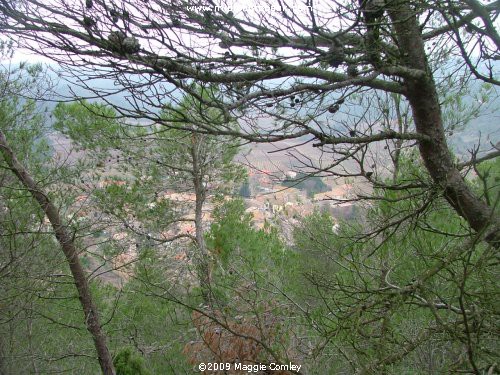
{"type": "Point", "coordinates": [136, 237]}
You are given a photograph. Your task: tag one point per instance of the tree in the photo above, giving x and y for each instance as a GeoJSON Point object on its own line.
{"type": "Point", "coordinates": [387, 304]}
{"type": "Point", "coordinates": [13, 114]}
{"type": "Point", "coordinates": [316, 60]}
{"type": "Point", "coordinates": [207, 165]}
{"type": "Point", "coordinates": [248, 323]}
{"type": "Point", "coordinates": [342, 77]}
{"type": "Point", "coordinates": [171, 160]}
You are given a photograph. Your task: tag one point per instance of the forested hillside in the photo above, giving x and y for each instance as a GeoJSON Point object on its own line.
{"type": "Point", "coordinates": [270, 188]}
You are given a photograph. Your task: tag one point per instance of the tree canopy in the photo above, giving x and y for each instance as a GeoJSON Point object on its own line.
{"type": "Point", "coordinates": [300, 67]}
{"type": "Point", "coordinates": [367, 93]}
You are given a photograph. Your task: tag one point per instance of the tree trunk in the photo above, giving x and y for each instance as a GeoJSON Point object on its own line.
{"type": "Point", "coordinates": [402, 128]}
{"type": "Point", "coordinates": [66, 241]}
{"type": "Point", "coordinates": [424, 101]}
{"type": "Point", "coordinates": [202, 264]}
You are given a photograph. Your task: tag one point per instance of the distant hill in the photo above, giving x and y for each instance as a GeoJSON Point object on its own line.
{"type": "Point", "coordinates": [482, 131]}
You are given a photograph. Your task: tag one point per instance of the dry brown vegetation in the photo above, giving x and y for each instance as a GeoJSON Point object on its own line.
{"type": "Point", "coordinates": [230, 340]}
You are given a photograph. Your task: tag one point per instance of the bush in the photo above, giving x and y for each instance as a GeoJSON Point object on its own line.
{"type": "Point", "coordinates": [127, 362]}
